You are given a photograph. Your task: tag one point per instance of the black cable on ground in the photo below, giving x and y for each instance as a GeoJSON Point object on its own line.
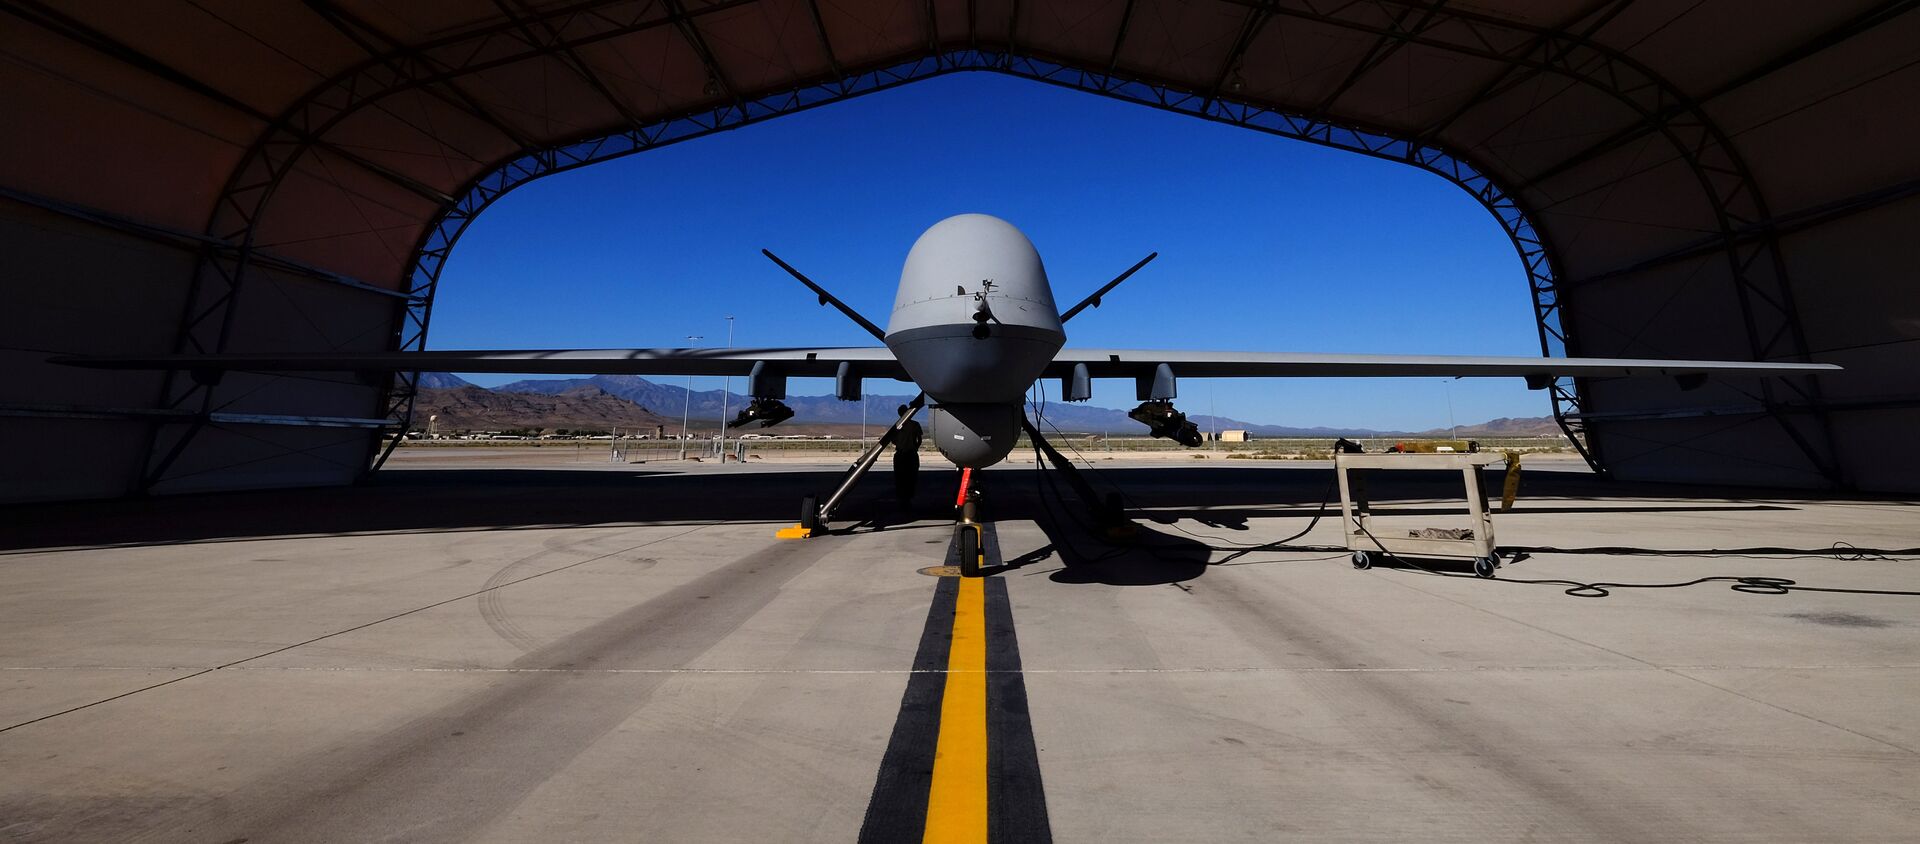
{"type": "Point", "coordinates": [1577, 589]}
{"type": "Point", "coordinates": [1844, 551]}
{"type": "Point", "coordinates": [1242, 548]}
{"type": "Point", "coordinates": [1841, 550]}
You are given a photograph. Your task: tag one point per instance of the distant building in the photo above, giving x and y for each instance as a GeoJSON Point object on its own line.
{"type": "Point", "coordinates": [1235, 436]}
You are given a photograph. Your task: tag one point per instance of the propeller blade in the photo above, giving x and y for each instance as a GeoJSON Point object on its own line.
{"type": "Point", "coordinates": [828, 298]}
{"type": "Point", "coordinates": [1094, 300]}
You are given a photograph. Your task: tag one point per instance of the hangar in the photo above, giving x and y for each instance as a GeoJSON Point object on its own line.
{"type": "Point", "coordinates": [1708, 180]}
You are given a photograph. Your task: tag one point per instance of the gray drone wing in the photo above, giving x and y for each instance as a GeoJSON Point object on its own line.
{"type": "Point", "coordinates": [878, 362]}
{"type": "Point", "coordinates": [1142, 363]}
{"type": "Point", "coordinates": [875, 362]}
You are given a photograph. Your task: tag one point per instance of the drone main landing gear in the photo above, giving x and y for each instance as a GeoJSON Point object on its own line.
{"type": "Point", "coordinates": [814, 516]}
{"type": "Point", "coordinates": [1108, 514]}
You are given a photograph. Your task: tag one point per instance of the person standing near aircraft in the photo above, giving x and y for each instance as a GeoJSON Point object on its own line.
{"type": "Point", "coordinates": [906, 461]}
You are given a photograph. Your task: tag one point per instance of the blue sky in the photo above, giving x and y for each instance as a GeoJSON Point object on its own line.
{"type": "Point", "coordinates": [1265, 244]}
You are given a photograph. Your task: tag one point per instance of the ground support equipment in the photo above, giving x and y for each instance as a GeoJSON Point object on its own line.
{"type": "Point", "coordinates": [1369, 544]}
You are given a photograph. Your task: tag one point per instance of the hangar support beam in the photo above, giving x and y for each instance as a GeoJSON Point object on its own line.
{"type": "Point", "coordinates": [94, 39]}
{"type": "Point", "coordinates": [1505, 208]}
{"type": "Point", "coordinates": [826, 43]}
{"type": "Point", "coordinates": [1119, 38]}
{"type": "Point", "coordinates": [1383, 48]}
{"type": "Point", "coordinates": [513, 9]}
{"type": "Point", "coordinates": [1513, 75]}
{"type": "Point", "coordinates": [1778, 226]}
{"type": "Point", "coordinates": [190, 241]}
{"type": "Point", "coordinates": [1758, 271]}
{"type": "Point", "coordinates": [206, 325]}
{"type": "Point", "coordinates": [359, 31]}
{"type": "Point", "coordinates": [1516, 51]}
{"type": "Point", "coordinates": [1864, 22]}
{"type": "Point", "coordinates": [717, 80]}
{"type": "Point", "coordinates": [1224, 78]}
{"type": "Point", "coordinates": [382, 76]}
{"type": "Point", "coordinates": [434, 249]}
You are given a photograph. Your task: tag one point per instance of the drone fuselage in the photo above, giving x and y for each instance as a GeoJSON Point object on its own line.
{"type": "Point", "coordinates": [974, 324]}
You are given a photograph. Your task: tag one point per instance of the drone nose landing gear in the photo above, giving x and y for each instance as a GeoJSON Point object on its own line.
{"type": "Point", "coordinates": [968, 536]}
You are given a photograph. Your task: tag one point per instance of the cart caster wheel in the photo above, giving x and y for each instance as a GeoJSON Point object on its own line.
{"type": "Point", "coordinates": [1484, 566]}
{"type": "Point", "coordinates": [1362, 560]}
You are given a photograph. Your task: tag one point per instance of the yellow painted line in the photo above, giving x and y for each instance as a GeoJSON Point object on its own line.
{"type": "Point", "coordinates": [957, 803]}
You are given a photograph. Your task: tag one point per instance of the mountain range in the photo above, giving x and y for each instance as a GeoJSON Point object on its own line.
{"type": "Point", "coordinates": [596, 403]}
{"type": "Point", "coordinates": [472, 408]}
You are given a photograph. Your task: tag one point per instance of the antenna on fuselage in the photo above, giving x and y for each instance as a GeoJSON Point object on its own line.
{"type": "Point", "coordinates": [1094, 300]}
{"type": "Point", "coordinates": [982, 309]}
{"type": "Point", "coordinates": [828, 298]}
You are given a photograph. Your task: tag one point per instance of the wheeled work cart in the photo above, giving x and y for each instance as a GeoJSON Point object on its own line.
{"type": "Point", "coordinates": [1368, 543]}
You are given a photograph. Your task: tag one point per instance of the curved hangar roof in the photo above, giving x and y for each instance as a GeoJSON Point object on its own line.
{"type": "Point", "coordinates": [1723, 178]}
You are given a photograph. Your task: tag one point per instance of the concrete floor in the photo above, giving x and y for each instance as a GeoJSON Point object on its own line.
{"type": "Point", "coordinates": [625, 653]}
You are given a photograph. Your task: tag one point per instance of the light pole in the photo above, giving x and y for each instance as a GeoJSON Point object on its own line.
{"type": "Point", "coordinates": [686, 403]}
{"type": "Point", "coordinates": [724, 395]}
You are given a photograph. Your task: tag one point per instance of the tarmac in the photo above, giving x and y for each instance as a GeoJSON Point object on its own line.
{"type": "Point", "coordinates": [622, 652]}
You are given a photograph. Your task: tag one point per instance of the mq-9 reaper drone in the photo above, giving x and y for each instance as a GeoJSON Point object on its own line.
{"type": "Point", "coordinates": [974, 325]}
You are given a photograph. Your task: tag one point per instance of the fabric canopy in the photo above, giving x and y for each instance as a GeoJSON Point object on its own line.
{"type": "Point", "coordinates": [1720, 179]}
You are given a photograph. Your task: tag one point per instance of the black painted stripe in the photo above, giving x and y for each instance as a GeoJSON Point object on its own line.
{"type": "Point", "coordinates": [1016, 800]}
{"type": "Point", "coordinates": [898, 809]}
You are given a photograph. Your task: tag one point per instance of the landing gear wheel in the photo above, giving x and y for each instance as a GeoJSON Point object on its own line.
{"type": "Point", "coordinates": [1484, 566]}
{"type": "Point", "coordinates": [810, 514]}
{"type": "Point", "coordinates": [1362, 560]}
{"type": "Point", "coordinates": [969, 547]}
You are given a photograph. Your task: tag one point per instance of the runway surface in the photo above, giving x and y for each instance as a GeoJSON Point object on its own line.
{"type": "Point", "coordinates": [626, 653]}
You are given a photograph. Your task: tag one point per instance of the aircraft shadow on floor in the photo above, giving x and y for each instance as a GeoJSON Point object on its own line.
{"type": "Point", "coordinates": [427, 500]}
{"type": "Point", "coordinates": [1148, 558]}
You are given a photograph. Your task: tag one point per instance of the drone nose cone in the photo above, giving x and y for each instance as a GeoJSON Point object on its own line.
{"type": "Point", "coordinates": [974, 319]}
{"type": "Point", "coordinates": [973, 231]}
{"type": "Point", "coordinates": [962, 257]}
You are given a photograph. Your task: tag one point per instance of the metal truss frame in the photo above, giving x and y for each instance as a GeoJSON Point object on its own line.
{"type": "Point", "coordinates": [1750, 249]}
{"type": "Point", "coordinates": [1757, 269]}
{"type": "Point", "coordinates": [1535, 258]}
{"type": "Point", "coordinates": [190, 242]}
{"type": "Point", "coordinates": [206, 322]}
